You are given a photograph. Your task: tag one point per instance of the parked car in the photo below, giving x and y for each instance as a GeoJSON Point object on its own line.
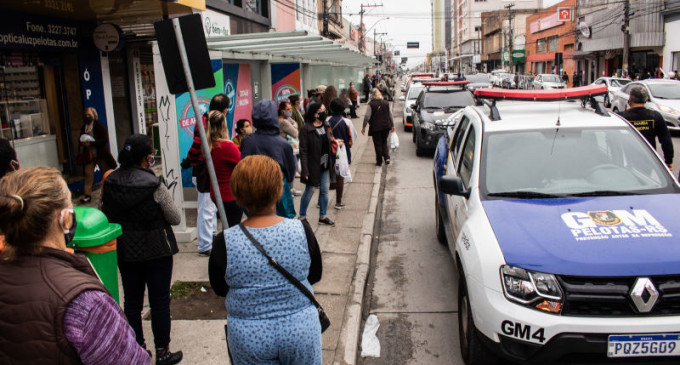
{"type": "Point", "coordinates": [613, 84]}
{"type": "Point", "coordinates": [495, 80]}
{"type": "Point", "coordinates": [562, 221]}
{"type": "Point", "coordinates": [410, 99]}
{"type": "Point", "coordinates": [664, 97]}
{"type": "Point", "coordinates": [432, 107]}
{"type": "Point", "coordinates": [548, 81]}
{"type": "Point", "coordinates": [478, 81]}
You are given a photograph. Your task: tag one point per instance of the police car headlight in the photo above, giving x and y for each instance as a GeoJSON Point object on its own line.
{"type": "Point", "coordinates": [667, 109]}
{"type": "Point", "coordinates": [429, 126]}
{"type": "Point", "coordinates": [407, 110]}
{"type": "Point", "coordinates": [533, 289]}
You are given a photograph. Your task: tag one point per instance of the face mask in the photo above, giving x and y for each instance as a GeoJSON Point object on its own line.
{"type": "Point", "coordinates": [288, 114]}
{"type": "Point", "coordinates": [68, 233]}
{"type": "Point", "coordinates": [88, 120]}
{"type": "Point", "coordinates": [322, 115]}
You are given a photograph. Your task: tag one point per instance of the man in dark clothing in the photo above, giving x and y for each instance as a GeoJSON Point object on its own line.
{"type": "Point", "coordinates": [267, 141]}
{"type": "Point", "coordinates": [380, 123]}
{"type": "Point", "coordinates": [649, 122]}
{"type": "Point", "coordinates": [367, 87]}
{"type": "Point", "coordinates": [576, 79]}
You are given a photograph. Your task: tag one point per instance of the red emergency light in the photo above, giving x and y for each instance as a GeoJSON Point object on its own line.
{"type": "Point", "coordinates": [542, 95]}
{"type": "Point", "coordinates": [445, 83]}
{"type": "Point", "coordinates": [423, 74]}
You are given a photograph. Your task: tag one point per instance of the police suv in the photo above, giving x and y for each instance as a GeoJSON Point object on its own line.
{"type": "Point", "coordinates": [563, 223]}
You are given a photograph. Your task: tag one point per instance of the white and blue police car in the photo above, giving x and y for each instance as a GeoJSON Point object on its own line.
{"type": "Point", "coordinates": [564, 227]}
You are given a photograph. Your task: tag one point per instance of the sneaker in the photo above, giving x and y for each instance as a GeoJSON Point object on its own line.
{"type": "Point", "coordinates": [327, 221]}
{"type": "Point", "coordinates": [387, 162]}
{"type": "Point", "coordinates": [339, 206]}
{"type": "Point", "coordinates": [205, 253]}
{"type": "Point", "coordinates": [297, 175]}
{"type": "Point", "coordinates": [296, 192]}
{"type": "Point", "coordinates": [165, 357]}
{"type": "Point", "coordinates": [302, 218]}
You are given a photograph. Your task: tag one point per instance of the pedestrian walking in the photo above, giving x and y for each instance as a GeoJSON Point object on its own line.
{"type": "Point", "coordinates": [243, 128]}
{"type": "Point", "coordinates": [270, 321]}
{"type": "Point", "coordinates": [380, 122]}
{"type": "Point", "coordinates": [8, 158]}
{"type": "Point", "coordinates": [317, 160]}
{"type": "Point", "coordinates": [649, 122]}
{"type": "Point", "coordinates": [328, 95]}
{"type": "Point", "coordinates": [94, 150]}
{"type": "Point", "coordinates": [341, 131]}
{"type": "Point", "coordinates": [289, 131]}
{"type": "Point", "coordinates": [367, 87]}
{"type": "Point", "coordinates": [225, 155]}
{"type": "Point", "coordinates": [206, 218]}
{"type": "Point", "coordinates": [354, 99]}
{"type": "Point", "coordinates": [53, 307]}
{"type": "Point", "coordinates": [139, 201]}
{"type": "Point", "coordinates": [565, 78]}
{"type": "Point", "coordinates": [576, 79]}
{"type": "Point", "coordinates": [267, 141]}
{"type": "Point", "coordinates": [297, 110]}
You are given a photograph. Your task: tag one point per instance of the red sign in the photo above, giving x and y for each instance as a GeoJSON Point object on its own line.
{"type": "Point", "coordinates": [565, 14]}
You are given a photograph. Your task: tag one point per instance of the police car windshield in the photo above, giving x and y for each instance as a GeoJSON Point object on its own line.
{"type": "Point", "coordinates": [619, 82]}
{"type": "Point", "coordinates": [447, 99]}
{"type": "Point", "coordinates": [569, 162]}
{"type": "Point", "coordinates": [414, 91]}
{"type": "Point", "coordinates": [665, 91]}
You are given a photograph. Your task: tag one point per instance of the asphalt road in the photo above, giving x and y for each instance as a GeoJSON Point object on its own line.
{"type": "Point", "coordinates": [412, 285]}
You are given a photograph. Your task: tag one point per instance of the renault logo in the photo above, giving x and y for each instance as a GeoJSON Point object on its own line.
{"type": "Point", "coordinates": [644, 295]}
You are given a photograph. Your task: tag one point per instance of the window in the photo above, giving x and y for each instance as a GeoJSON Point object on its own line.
{"type": "Point", "coordinates": [458, 138]}
{"type": "Point", "coordinates": [298, 11]}
{"type": "Point", "coordinates": [468, 158]}
{"type": "Point", "coordinates": [540, 45]}
{"type": "Point", "coordinates": [676, 61]}
{"type": "Point", "coordinates": [568, 47]}
{"type": "Point", "coordinates": [257, 7]}
{"type": "Point", "coordinates": [553, 43]}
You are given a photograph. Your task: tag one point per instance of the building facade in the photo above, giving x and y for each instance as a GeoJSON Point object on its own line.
{"type": "Point", "coordinates": [548, 38]}
{"type": "Point", "coordinates": [495, 33]}
{"type": "Point", "coordinates": [671, 49]}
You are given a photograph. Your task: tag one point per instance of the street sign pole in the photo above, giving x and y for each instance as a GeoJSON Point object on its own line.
{"type": "Point", "coordinates": [199, 121]}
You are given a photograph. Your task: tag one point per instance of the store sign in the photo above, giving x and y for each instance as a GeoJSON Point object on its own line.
{"type": "Point", "coordinates": [542, 24]}
{"type": "Point", "coordinates": [477, 59]}
{"type": "Point", "coordinates": [285, 80]}
{"type": "Point", "coordinates": [518, 55]}
{"type": "Point", "coordinates": [565, 14]}
{"type": "Point", "coordinates": [91, 81]}
{"type": "Point", "coordinates": [139, 92]}
{"type": "Point", "coordinates": [506, 56]}
{"type": "Point", "coordinates": [30, 32]}
{"type": "Point", "coordinates": [237, 88]}
{"type": "Point", "coordinates": [215, 24]}
{"type": "Point", "coordinates": [107, 37]}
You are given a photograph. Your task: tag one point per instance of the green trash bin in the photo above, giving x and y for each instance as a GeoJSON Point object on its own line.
{"type": "Point", "coordinates": [96, 238]}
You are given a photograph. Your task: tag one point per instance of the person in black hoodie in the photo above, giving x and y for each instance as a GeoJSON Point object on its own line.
{"type": "Point", "coordinates": [140, 202]}
{"type": "Point", "coordinates": [267, 141]}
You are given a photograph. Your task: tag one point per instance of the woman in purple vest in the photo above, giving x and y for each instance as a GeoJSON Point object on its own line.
{"type": "Point", "coordinates": [53, 308]}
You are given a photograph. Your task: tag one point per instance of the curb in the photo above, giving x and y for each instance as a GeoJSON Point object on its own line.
{"type": "Point", "coordinates": [349, 335]}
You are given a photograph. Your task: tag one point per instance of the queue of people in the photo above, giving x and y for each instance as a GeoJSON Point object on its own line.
{"type": "Point", "coordinates": [70, 311]}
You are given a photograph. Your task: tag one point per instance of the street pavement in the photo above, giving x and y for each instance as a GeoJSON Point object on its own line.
{"type": "Point", "coordinates": [345, 252]}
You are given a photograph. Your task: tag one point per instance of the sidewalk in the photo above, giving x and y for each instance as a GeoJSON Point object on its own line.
{"type": "Point", "coordinates": [345, 251]}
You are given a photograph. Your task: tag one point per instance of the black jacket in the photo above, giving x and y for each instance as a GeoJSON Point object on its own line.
{"type": "Point", "coordinates": [380, 116]}
{"type": "Point", "coordinates": [101, 146]}
{"type": "Point", "coordinates": [128, 200]}
{"type": "Point", "coordinates": [651, 124]}
{"type": "Point", "coordinates": [311, 147]}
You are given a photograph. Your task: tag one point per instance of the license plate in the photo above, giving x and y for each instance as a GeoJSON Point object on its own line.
{"type": "Point", "coordinates": [644, 345]}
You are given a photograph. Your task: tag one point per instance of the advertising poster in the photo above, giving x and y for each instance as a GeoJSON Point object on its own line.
{"type": "Point", "coordinates": [285, 80]}
{"type": "Point", "coordinates": [186, 119]}
{"type": "Point", "coordinates": [237, 88]}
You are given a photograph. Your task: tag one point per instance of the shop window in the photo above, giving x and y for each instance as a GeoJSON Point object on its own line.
{"type": "Point", "coordinates": [540, 45]}
{"type": "Point", "coordinates": [676, 61]}
{"type": "Point", "coordinates": [553, 43]}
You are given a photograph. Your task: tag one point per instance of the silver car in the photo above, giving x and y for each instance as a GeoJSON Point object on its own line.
{"type": "Point", "coordinates": [613, 84]}
{"type": "Point", "coordinates": [548, 81]}
{"type": "Point", "coordinates": [664, 97]}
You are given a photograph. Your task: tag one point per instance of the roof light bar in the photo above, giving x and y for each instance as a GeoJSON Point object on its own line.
{"type": "Point", "coordinates": [445, 83]}
{"type": "Point", "coordinates": [542, 95]}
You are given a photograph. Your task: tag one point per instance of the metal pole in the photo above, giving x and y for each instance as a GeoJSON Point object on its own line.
{"type": "Point", "coordinates": [626, 38]}
{"type": "Point", "coordinates": [199, 122]}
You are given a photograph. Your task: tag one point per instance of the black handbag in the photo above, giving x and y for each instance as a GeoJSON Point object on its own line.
{"type": "Point", "coordinates": [323, 318]}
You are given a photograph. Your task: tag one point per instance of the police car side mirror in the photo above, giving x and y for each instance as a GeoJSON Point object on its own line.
{"type": "Point", "coordinates": [453, 185]}
{"type": "Point", "coordinates": [414, 106]}
{"type": "Point", "coordinates": [402, 98]}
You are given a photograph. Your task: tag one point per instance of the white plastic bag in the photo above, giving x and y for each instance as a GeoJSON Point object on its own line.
{"type": "Point", "coordinates": [394, 141]}
{"type": "Point", "coordinates": [370, 345]}
{"type": "Point", "coordinates": [342, 164]}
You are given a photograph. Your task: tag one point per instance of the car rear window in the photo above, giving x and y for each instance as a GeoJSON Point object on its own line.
{"type": "Point", "coordinates": [619, 83]}
{"type": "Point", "coordinates": [447, 99]}
{"type": "Point", "coordinates": [670, 90]}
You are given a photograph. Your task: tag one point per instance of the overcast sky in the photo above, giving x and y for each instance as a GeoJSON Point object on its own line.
{"type": "Point", "coordinates": [409, 21]}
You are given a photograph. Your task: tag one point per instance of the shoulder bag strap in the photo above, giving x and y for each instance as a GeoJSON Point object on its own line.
{"type": "Point", "coordinates": [280, 269]}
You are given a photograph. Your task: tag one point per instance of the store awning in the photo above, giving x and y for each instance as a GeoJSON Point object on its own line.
{"type": "Point", "coordinates": [295, 46]}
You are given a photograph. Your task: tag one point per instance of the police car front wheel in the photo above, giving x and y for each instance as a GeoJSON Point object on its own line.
{"type": "Point", "coordinates": [472, 349]}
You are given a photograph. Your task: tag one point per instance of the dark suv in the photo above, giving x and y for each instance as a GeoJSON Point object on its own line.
{"type": "Point", "coordinates": [434, 104]}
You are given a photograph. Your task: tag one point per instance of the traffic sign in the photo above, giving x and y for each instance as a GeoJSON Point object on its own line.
{"type": "Point", "coordinates": [412, 44]}
{"type": "Point", "coordinates": [565, 14]}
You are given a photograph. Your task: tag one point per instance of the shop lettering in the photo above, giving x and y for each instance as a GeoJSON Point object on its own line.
{"type": "Point", "coordinates": [61, 5]}
{"type": "Point", "coordinates": [523, 331]}
{"type": "Point", "coordinates": [86, 77]}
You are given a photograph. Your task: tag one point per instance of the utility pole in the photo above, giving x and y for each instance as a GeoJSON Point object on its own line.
{"type": "Point", "coordinates": [626, 37]}
{"type": "Point", "coordinates": [509, 7]}
{"type": "Point", "coordinates": [325, 18]}
{"type": "Point", "coordinates": [362, 46]}
{"type": "Point", "coordinates": [375, 39]}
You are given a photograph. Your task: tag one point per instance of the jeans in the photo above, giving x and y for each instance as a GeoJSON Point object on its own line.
{"type": "Point", "coordinates": [206, 221]}
{"type": "Point", "coordinates": [156, 275]}
{"type": "Point", "coordinates": [382, 150]}
{"type": "Point", "coordinates": [323, 196]}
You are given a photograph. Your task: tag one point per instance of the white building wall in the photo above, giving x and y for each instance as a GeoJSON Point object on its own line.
{"type": "Point", "coordinates": [672, 44]}
{"type": "Point", "coordinates": [305, 16]}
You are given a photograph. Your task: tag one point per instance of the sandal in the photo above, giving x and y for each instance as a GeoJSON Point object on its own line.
{"type": "Point", "coordinates": [326, 220]}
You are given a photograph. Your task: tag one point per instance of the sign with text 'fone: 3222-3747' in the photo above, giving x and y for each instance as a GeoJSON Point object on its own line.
{"type": "Point", "coordinates": [412, 44]}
